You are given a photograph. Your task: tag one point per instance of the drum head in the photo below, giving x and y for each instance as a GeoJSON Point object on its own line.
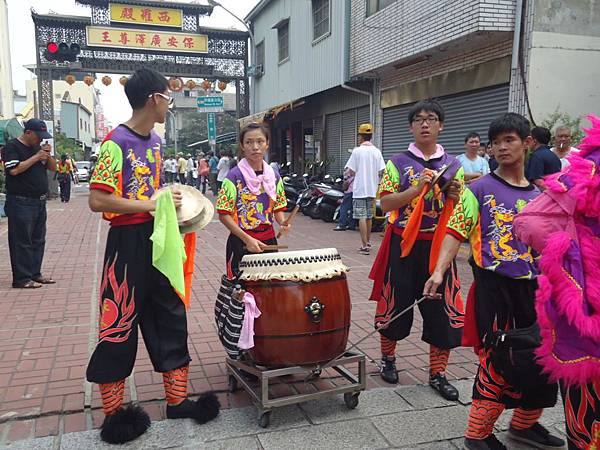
{"type": "Point", "coordinates": [302, 265]}
{"type": "Point", "coordinates": [196, 210]}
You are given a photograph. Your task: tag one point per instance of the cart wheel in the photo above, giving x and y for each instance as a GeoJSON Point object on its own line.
{"type": "Point", "coordinates": [264, 419]}
{"type": "Point", "coordinates": [233, 383]}
{"type": "Point", "coordinates": [351, 399]}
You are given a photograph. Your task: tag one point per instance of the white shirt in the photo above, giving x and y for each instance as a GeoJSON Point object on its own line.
{"type": "Point", "coordinates": [223, 168]}
{"type": "Point", "coordinates": [366, 162]}
{"type": "Point", "coordinates": [190, 165]}
{"type": "Point", "coordinates": [173, 166]}
{"type": "Point", "coordinates": [564, 162]}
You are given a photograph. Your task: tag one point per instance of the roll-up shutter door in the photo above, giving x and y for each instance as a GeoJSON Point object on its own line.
{"type": "Point", "coordinates": [349, 129]}
{"type": "Point", "coordinates": [465, 112]}
{"type": "Point", "coordinates": [363, 115]}
{"type": "Point", "coordinates": [396, 135]}
{"type": "Point", "coordinates": [318, 128]}
{"type": "Point", "coordinates": [333, 132]}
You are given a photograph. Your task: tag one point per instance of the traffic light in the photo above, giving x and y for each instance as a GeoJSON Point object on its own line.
{"type": "Point", "coordinates": [62, 52]}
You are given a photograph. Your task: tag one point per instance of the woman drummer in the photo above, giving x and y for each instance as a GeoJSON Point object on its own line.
{"type": "Point", "coordinates": [251, 198]}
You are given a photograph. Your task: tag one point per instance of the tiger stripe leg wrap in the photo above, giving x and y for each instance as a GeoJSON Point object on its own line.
{"type": "Point", "coordinates": [525, 418]}
{"type": "Point", "coordinates": [112, 396]}
{"type": "Point", "coordinates": [175, 382]}
{"type": "Point", "coordinates": [482, 417]}
{"type": "Point", "coordinates": [438, 360]}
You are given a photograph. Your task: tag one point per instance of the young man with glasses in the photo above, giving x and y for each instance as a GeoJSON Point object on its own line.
{"type": "Point", "coordinates": [133, 292]}
{"type": "Point", "coordinates": [403, 263]}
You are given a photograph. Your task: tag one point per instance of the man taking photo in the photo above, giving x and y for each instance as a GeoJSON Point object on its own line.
{"type": "Point", "coordinates": [27, 159]}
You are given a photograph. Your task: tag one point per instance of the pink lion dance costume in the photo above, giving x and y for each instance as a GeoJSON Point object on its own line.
{"type": "Point", "coordinates": [568, 297]}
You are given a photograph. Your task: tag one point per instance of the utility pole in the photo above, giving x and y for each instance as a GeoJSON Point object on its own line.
{"type": "Point", "coordinates": [174, 127]}
{"type": "Point", "coordinates": [214, 3]}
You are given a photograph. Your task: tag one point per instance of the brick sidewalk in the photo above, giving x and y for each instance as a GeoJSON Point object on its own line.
{"type": "Point", "coordinates": [46, 335]}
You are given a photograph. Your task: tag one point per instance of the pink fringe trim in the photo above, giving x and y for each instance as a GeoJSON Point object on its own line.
{"type": "Point", "coordinates": [592, 139]}
{"type": "Point", "coordinates": [568, 297]}
{"type": "Point", "coordinates": [568, 300]}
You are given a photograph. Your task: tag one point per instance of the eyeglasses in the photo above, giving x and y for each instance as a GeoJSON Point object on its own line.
{"type": "Point", "coordinates": [421, 120]}
{"type": "Point", "coordinates": [166, 97]}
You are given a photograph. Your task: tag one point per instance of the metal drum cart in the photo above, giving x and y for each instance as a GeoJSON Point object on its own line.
{"type": "Point", "coordinates": [259, 390]}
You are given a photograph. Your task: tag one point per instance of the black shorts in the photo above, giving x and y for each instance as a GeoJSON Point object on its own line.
{"type": "Point", "coordinates": [443, 319]}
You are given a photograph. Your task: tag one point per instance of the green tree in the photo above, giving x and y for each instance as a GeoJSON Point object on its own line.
{"type": "Point", "coordinates": [558, 118]}
{"type": "Point", "coordinates": [195, 129]}
{"type": "Point", "coordinates": [63, 144]}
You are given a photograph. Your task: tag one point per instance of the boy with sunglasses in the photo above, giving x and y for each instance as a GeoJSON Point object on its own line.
{"type": "Point", "coordinates": [133, 292]}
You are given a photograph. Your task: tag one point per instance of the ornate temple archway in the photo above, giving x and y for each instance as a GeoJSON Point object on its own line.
{"type": "Point", "coordinates": [120, 37]}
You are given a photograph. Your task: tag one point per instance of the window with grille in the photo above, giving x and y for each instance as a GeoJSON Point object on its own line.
{"type": "Point", "coordinates": [260, 57]}
{"type": "Point", "coordinates": [283, 38]}
{"type": "Point", "coordinates": [377, 5]}
{"type": "Point", "coordinates": [320, 13]}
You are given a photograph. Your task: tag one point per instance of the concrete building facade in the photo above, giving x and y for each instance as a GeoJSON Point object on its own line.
{"type": "Point", "coordinates": [375, 58]}
{"type": "Point", "coordinates": [480, 58]}
{"type": "Point", "coordinates": [299, 82]}
{"type": "Point", "coordinates": [76, 122]}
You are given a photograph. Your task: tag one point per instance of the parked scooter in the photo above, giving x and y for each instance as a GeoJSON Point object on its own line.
{"type": "Point", "coordinates": [330, 201]}
{"type": "Point", "coordinates": [293, 185]}
{"type": "Point", "coordinates": [316, 190]}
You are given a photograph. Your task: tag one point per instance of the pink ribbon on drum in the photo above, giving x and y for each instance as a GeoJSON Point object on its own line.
{"type": "Point", "coordinates": [251, 312]}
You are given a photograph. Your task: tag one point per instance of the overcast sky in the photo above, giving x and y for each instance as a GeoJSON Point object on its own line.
{"type": "Point", "coordinates": [22, 43]}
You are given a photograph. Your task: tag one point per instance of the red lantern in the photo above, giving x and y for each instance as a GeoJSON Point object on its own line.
{"type": "Point", "coordinates": [88, 79]}
{"type": "Point", "coordinates": [222, 85]}
{"type": "Point", "coordinates": [206, 85]}
{"type": "Point", "coordinates": [70, 79]}
{"type": "Point", "coordinates": [191, 84]}
{"type": "Point", "coordinates": [123, 80]}
{"type": "Point", "coordinates": [175, 84]}
{"type": "Point", "coordinates": [106, 80]}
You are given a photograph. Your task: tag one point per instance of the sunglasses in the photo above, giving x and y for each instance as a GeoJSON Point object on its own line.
{"type": "Point", "coordinates": [166, 97]}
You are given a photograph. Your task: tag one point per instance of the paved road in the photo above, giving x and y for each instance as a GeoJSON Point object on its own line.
{"type": "Point", "coordinates": [46, 335]}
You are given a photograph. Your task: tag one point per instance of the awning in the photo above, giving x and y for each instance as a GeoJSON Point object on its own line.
{"type": "Point", "coordinates": [221, 139]}
{"type": "Point", "coordinates": [270, 114]}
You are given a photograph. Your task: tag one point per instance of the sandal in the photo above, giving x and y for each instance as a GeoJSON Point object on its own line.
{"type": "Point", "coordinates": [44, 280]}
{"type": "Point", "coordinates": [27, 285]}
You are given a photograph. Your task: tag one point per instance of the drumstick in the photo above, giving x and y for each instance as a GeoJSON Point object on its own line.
{"type": "Point", "coordinates": [289, 219]}
{"type": "Point", "coordinates": [271, 247]}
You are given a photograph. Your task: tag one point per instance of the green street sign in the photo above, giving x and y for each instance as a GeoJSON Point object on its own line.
{"type": "Point", "coordinates": [212, 128]}
{"type": "Point", "coordinates": [210, 103]}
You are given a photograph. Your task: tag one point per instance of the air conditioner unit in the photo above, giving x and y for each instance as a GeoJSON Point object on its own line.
{"type": "Point", "coordinates": [255, 71]}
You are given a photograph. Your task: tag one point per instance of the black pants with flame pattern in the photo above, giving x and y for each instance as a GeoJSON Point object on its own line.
{"type": "Point", "coordinates": [582, 414]}
{"type": "Point", "coordinates": [503, 303]}
{"type": "Point", "coordinates": [133, 293]}
{"type": "Point", "coordinates": [443, 319]}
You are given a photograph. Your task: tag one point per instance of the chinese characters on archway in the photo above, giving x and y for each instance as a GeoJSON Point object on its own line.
{"type": "Point", "coordinates": [146, 15]}
{"type": "Point", "coordinates": [147, 39]}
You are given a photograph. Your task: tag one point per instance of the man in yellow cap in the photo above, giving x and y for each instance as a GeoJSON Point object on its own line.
{"type": "Point", "coordinates": [366, 164]}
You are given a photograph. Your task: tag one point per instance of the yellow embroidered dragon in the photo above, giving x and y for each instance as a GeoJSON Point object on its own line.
{"type": "Point", "coordinates": [501, 232]}
{"type": "Point", "coordinates": [138, 184]}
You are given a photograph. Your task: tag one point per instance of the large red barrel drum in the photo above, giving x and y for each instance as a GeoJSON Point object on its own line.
{"type": "Point", "coordinates": [305, 304]}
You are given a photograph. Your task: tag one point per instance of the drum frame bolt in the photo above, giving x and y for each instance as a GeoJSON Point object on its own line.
{"type": "Point", "coordinates": [315, 309]}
